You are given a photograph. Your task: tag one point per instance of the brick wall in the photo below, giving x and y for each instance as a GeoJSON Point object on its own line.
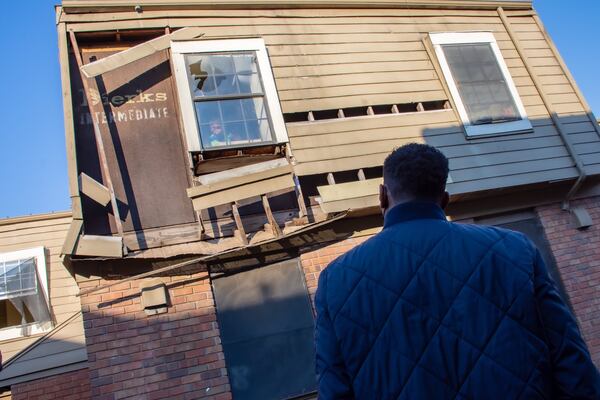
{"type": "Point", "coordinates": [177, 355]}
{"type": "Point", "coordinates": [68, 386]}
{"type": "Point", "coordinates": [315, 261]}
{"type": "Point", "coordinates": [577, 255]}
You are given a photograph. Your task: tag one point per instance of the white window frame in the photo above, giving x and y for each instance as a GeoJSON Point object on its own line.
{"type": "Point", "coordinates": [33, 328]}
{"type": "Point", "coordinates": [441, 38]}
{"type": "Point", "coordinates": [186, 104]}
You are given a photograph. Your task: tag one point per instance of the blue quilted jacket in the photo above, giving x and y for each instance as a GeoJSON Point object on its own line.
{"type": "Point", "coordinates": [430, 309]}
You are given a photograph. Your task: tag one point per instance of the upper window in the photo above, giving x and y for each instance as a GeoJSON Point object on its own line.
{"type": "Point", "coordinates": [479, 81]}
{"type": "Point", "coordinates": [23, 294]}
{"type": "Point", "coordinates": [227, 94]}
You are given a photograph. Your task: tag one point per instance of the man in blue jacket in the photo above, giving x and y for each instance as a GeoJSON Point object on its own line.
{"type": "Point", "coordinates": [429, 309]}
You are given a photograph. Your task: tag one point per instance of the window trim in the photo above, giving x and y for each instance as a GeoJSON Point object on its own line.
{"type": "Point", "coordinates": [186, 103]}
{"type": "Point", "coordinates": [33, 328]}
{"type": "Point", "coordinates": [472, 131]}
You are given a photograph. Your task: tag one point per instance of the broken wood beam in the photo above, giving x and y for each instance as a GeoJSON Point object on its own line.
{"type": "Point", "coordinates": [272, 221]}
{"type": "Point", "coordinates": [94, 189]}
{"type": "Point", "coordinates": [238, 222]}
{"type": "Point", "coordinates": [138, 52]}
{"type": "Point", "coordinates": [330, 179]}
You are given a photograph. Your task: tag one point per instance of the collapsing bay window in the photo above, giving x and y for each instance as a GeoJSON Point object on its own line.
{"type": "Point", "coordinates": [486, 97]}
{"type": "Point", "coordinates": [227, 94]}
{"type": "Point", "coordinates": [23, 294]}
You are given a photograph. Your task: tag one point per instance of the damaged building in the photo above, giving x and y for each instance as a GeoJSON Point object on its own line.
{"type": "Point", "coordinates": [221, 154]}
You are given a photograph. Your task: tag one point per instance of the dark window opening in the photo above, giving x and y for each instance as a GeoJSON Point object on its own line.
{"type": "Point", "coordinates": [266, 324]}
{"type": "Point", "coordinates": [376, 109]}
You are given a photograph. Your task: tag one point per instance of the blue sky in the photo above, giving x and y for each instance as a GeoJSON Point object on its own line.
{"type": "Point", "coordinates": [33, 168]}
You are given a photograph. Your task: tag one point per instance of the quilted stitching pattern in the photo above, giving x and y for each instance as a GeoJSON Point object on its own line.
{"type": "Point", "coordinates": [441, 306]}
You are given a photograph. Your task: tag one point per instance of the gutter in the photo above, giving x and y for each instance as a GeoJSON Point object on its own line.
{"type": "Point", "coordinates": [548, 104]}
{"type": "Point", "coordinates": [87, 6]}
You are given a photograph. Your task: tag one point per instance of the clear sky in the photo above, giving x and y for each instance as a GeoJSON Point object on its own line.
{"type": "Point", "coordinates": [33, 168]}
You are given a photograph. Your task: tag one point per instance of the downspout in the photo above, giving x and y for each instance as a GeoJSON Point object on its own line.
{"type": "Point", "coordinates": [548, 104]}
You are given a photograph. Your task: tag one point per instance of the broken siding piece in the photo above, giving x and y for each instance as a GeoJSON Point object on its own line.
{"type": "Point", "coordinates": [137, 52]}
{"type": "Point", "coordinates": [242, 187]}
{"type": "Point", "coordinates": [99, 246]}
{"type": "Point", "coordinates": [94, 189]}
{"type": "Point", "coordinates": [350, 195]}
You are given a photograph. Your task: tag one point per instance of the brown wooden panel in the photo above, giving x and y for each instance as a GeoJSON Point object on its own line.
{"type": "Point", "coordinates": [294, 72]}
{"type": "Point", "coordinates": [243, 192]}
{"type": "Point", "coordinates": [363, 123]}
{"type": "Point", "coordinates": [322, 59]}
{"type": "Point", "coordinates": [313, 82]}
{"type": "Point", "coordinates": [353, 90]}
{"type": "Point", "coordinates": [143, 144]}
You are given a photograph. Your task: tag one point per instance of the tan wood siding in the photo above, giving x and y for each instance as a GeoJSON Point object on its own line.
{"type": "Point", "coordinates": [49, 233]}
{"type": "Point", "coordinates": [330, 59]}
{"type": "Point", "coordinates": [560, 92]}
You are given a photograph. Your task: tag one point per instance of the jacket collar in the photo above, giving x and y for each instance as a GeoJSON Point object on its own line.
{"type": "Point", "coordinates": [412, 210]}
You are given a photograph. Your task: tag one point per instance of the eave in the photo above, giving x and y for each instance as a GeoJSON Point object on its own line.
{"type": "Point", "coordinates": [91, 6]}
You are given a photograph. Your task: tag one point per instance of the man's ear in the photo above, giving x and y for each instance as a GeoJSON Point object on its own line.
{"type": "Point", "coordinates": [445, 200]}
{"type": "Point", "coordinates": [384, 202]}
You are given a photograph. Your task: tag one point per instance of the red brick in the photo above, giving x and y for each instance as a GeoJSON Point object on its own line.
{"type": "Point", "coordinates": [577, 254]}
{"type": "Point", "coordinates": [66, 386]}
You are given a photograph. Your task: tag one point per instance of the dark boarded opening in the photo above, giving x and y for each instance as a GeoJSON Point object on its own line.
{"type": "Point", "coordinates": [534, 230]}
{"type": "Point", "coordinates": [266, 323]}
{"type": "Point", "coordinates": [142, 140]}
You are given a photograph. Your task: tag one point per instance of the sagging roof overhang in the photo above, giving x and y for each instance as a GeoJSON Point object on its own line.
{"type": "Point", "coordinates": [90, 6]}
{"type": "Point", "coordinates": [266, 252]}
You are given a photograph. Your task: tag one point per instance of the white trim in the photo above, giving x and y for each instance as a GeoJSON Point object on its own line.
{"type": "Point", "coordinates": [39, 254]}
{"type": "Point", "coordinates": [190, 125]}
{"type": "Point", "coordinates": [34, 328]}
{"type": "Point", "coordinates": [37, 327]}
{"type": "Point", "coordinates": [441, 38]}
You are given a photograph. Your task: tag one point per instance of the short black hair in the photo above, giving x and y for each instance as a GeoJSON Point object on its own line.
{"type": "Point", "coordinates": [416, 170]}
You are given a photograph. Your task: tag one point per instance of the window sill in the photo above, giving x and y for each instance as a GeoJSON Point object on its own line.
{"type": "Point", "coordinates": [493, 130]}
{"type": "Point", "coordinates": [23, 331]}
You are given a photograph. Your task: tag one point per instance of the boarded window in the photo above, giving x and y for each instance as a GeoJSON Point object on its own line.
{"type": "Point", "coordinates": [266, 323]}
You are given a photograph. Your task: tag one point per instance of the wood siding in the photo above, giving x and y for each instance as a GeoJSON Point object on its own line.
{"type": "Point", "coordinates": [338, 58]}
{"type": "Point", "coordinates": [65, 307]}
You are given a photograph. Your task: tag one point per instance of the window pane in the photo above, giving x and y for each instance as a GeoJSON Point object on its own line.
{"type": "Point", "coordinates": [17, 278]}
{"type": "Point", "coordinates": [223, 74]}
{"type": "Point", "coordinates": [258, 130]}
{"type": "Point", "coordinates": [483, 89]}
{"type": "Point", "coordinates": [254, 108]}
{"type": "Point", "coordinates": [233, 122]}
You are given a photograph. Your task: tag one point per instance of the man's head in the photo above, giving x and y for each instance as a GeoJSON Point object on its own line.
{"type": "Point", "coordinates": [414, 172]}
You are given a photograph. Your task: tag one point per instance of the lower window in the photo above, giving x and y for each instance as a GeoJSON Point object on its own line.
{"type": "Point", "coordinates": [266, 323]}
{"type": "Point", "coordinates": [23, 294]}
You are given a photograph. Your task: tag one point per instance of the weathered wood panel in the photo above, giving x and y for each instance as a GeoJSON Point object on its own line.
{"type": "Point", "coordinates": [143, 144]}
{"type": "Point", "coordinates": [555, 81]}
